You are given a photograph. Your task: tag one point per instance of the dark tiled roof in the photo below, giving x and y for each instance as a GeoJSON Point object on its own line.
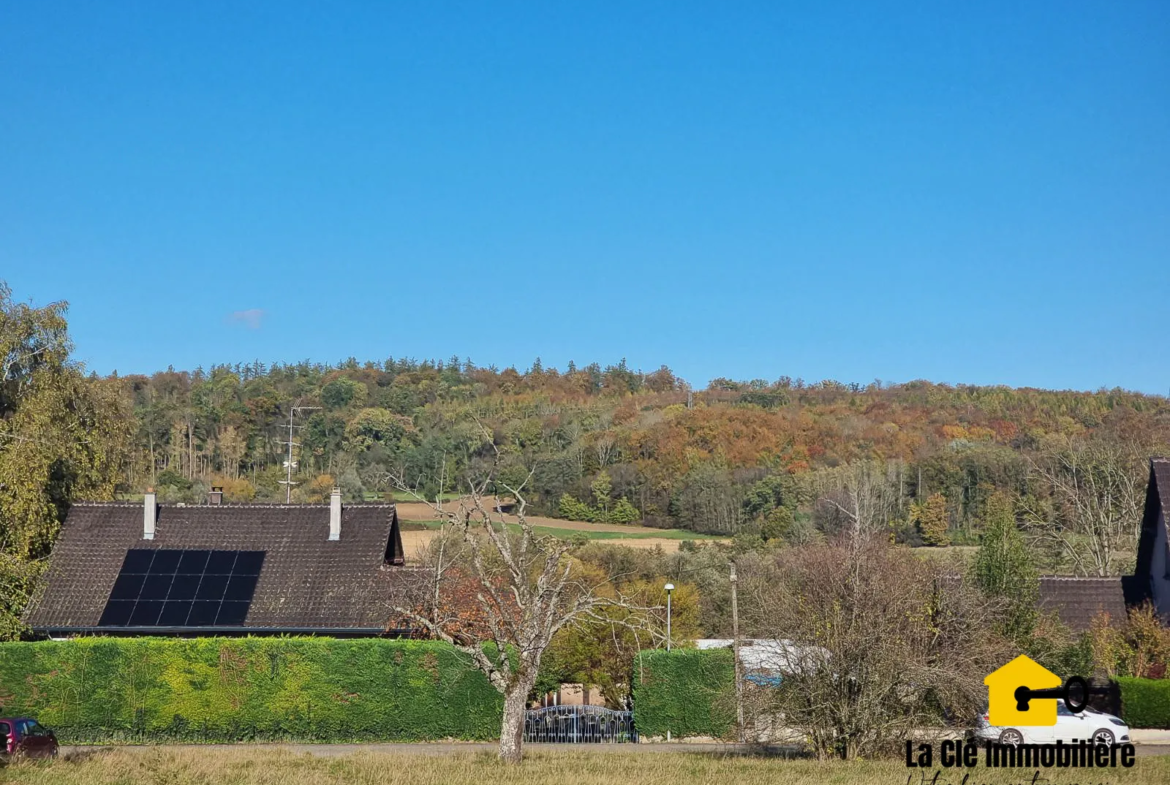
{"type": "Point", "coordinates": [1157, 513]}
{"type": "Point", "coordinates": [1161, 469]}
{"type": "Point", "coordinates": [1077, 600]}
{"type": "Point", "coordinates": [307, 583]}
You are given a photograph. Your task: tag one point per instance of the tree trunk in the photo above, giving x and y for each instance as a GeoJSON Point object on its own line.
{"type": "Point", "coordinates": [512, 728]}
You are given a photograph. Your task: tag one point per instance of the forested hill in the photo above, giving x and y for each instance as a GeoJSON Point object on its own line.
{"type": "Point", "coordinates": [727, 459]}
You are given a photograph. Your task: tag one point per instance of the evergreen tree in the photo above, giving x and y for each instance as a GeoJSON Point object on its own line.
{"type": "Point", "coordinates": [1004, 569]}
{"type": "Point", "coordinates": [572, 510]}
{"type": "Point", "coordinates": [602, 487]}
{"type": "Point", "coordinates": [624, 512]}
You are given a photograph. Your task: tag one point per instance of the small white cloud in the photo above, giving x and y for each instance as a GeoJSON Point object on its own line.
{"type": "Point", "coordinates": [250, 318]}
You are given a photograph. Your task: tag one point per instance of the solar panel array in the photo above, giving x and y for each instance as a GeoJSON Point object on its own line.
{"type": "Point", "coordinates": [183, 588]}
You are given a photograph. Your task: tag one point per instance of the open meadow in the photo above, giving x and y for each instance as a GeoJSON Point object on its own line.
{"type": "Point", "coordinates": [251, 766]}
{"type": "Point", "coordinates": [420, 527]}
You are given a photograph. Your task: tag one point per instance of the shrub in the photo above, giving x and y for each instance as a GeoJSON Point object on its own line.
{"type": "Point", "coordinates": [1145, 703]}
{"type": "Point", "coordinates": [572, 510]}
{"type": "Point", "coordinates": [174, 479]}
{"type": "Point", "coordinates": [624, 512]}
{"type": "Point", "coordinates": [1137, 646]}
{"type": "Point", "coordinates": [237, 689]}
{"type": "Point", "coordinates": [684, 691]}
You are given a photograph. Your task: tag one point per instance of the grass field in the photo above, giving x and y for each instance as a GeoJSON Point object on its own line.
{"type": "Point", "coordinates": [250, 766]}
{"type": "Point", "coordinates": [419, 526]}
{"type": "Point", "coordinates": [417, 534]}
{"type": "Point", "coordinates": [403, 496]}
{"type": "Point", "coordinates": [636, 533]}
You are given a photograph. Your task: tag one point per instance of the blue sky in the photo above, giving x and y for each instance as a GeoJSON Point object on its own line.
{"type": "Point", "coordinates": [963, 192]}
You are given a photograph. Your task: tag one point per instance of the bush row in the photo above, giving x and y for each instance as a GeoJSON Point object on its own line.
{"type": "Point", "coordinates": [317, 689]}
{"type": "Point", "coordinates": [688, 692]}
{"type": "Point", "coordinates": [691, 693]}
{"type": "Point", "coordinates": [1145, 703]}
{"type": "Point", "coordinates": [238, 689]}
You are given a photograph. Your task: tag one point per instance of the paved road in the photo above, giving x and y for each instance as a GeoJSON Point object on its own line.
{"type": "Point", "coordinates": [447, 748]}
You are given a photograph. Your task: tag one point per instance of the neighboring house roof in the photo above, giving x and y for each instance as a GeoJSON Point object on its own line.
{"type": "Point", "coordinates": [770, 655]}
{"type": "Point", "coordinates": [1077, 600]}
{"type": "Point", "coordinates": [306, 582]}
{"type": "Point", "coordinates": [1157, 513]}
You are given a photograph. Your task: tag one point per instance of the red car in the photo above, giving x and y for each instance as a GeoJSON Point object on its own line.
{"type": "Point", "coordinates": [23, 736]}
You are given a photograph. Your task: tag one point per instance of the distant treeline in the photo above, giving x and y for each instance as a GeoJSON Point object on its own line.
{"type": "Point", "coordinates": [767, 463]}
{"type": "Point", "coordinates": [758, 459]}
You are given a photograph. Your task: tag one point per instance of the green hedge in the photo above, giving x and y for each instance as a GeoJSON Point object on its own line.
{"type": "Point", "coordinates": [1145, 703]}
{"type": "Point", "coordinates": [236, 689]}
{"type": "Point", "coordinates": [688, 692]}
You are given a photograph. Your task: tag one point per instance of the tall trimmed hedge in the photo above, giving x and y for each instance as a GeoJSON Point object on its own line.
{"type": "Point", "coordinates": [1145, 703]}
{"type": "Point", "coordinates": [236, 689]}
{"type": "Point", "coordinates": [689, 692]}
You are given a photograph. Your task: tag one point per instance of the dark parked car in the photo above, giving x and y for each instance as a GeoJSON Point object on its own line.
{"type": "Point", "coordinates": [23, 736]}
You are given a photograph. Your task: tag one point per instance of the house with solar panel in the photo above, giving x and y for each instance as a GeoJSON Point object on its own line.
{"type": "Point", "coordinates": [123, 568]}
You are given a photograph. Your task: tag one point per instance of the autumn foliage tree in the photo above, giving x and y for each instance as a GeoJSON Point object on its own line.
{"type": "Point", "coordinates": [1138, 645]}
{"type": "Point", "coordinates": [62, 437]}
{"type": "Point", "coordinates": [930, 518]}
{"type": "Point", "coordinates": [601, 649]}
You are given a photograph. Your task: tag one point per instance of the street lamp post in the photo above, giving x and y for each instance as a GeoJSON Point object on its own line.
{"type": "Point", "coordinates": [669, 588]}
{"type": "Point", "coordinates": [735, 654]}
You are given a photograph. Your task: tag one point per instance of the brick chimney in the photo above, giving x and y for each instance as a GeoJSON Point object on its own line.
{"type": "Point", "coordinates": [335, 514]}
{"type": "Point", "coordinates": [149, 514]}
{"type": "Point", "coordinates": [216, 495]}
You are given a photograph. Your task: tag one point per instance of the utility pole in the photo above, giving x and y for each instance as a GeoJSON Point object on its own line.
{"type": "Point", "coordinates": [735, 653]}
{"type": "Point", "coordinates": [289, 463]}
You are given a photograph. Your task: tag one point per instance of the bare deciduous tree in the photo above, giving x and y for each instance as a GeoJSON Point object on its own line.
{"type": "Point", "coordinates": [523, 587]}
{"type": "Point", "coordinates": [875, 644]}
{"type": "Point", "coordinates": [861, 498]}
{"type": "Point", "coordinates": [1097, 491]}
{"type": "Point", "coordinates": [605, 446]}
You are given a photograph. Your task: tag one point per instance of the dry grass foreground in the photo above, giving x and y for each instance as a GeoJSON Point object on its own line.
{"type": "Point", "coordinates": [250, 766]}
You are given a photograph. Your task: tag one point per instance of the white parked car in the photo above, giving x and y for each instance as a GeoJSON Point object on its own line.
{"type": "Point", "coordinates": [1089, 725]}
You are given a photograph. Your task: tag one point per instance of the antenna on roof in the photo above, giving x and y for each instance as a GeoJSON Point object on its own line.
{"type": "Point", "coordinates": [290, 464]}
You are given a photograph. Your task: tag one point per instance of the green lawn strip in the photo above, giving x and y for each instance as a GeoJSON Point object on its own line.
{"type": "Point", "coordinates": [402, 496]}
